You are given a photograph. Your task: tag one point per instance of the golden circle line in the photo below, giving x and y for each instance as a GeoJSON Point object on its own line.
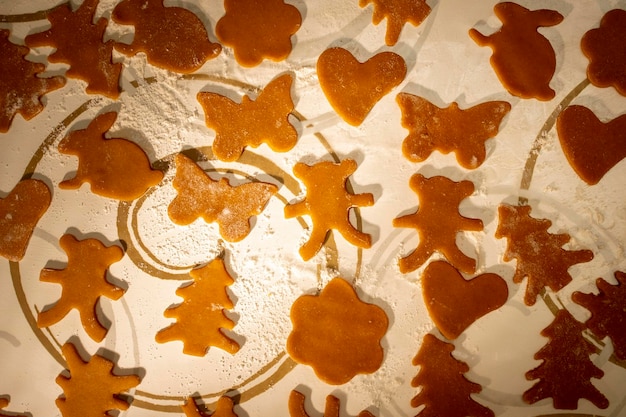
{"type": "Point", "coordinates": [30, 17]}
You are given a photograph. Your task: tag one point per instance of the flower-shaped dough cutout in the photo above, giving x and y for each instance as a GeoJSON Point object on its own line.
{"type": "Point", "coordinates": [251, 122]}
{"type": "Point", "coordinates": [173, 38]}
{"type": "Point", "coordinates": [258, 29]}
{"type": "Point", "coordinates": [604, 47]}
{"type": "Point", "coordinates": [397, 13]}
{"type": "Point", "coordinates": [454, 303]}
{"type": "Point", "coordinates": [608, 311]}
{"type": "Point", "coordinates": [336, 333]}
{"type": "Point", "coordinates": [91, 389]}
{"type": "Point", "coordinates": [20, 212]}
{"type": "Point", "coordinates": [297, 408]}
{"type": "Point", "coordinates": [353, 88]}
{"type": "Point", "coordinates": [197, 326]}
{"type": "Point", "coordinates": [450, 129]}
{"type": "Point", "coordinates": [84, 281]}
{"type": "Point", "coordinates": [223, 408]}
{"type": "Point", "coordinates": [328, 202]}
{"type": "Point", "coordinates": [115, 168]}
{"type": "Point", "coordinates": [523, 59]}
{"type": "Point", "coordinates": [21, 87]}
{"type": "Point", "coordinates": [438, 222]}
{"type": "Point", "coordinates": [539, 254]}
{"type": "Point", "coordinates": [216, 201]}
{"type": "Point", "coordinates": [592, 147]}
{"type": "Point", "coordinates": [79, 43]}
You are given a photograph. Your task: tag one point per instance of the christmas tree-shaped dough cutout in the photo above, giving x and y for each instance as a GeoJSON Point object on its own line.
{"type": "Point", "coordinates": [223, 408]}
{"type": "Point", "coordinates": [444, 389]}
{"type": "Point", "coordinates": [201, 316]}
{"type": "Point", "coordinates": [608, 312]}
{"type": "Point", "coordinates": [539, 254]}
{"type": "Point", "coordinates": [566, 371]}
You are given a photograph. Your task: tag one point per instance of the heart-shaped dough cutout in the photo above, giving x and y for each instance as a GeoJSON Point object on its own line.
{"type": "Point", "coordinates": [591, 146]}
{"type": "Point", "coordinates": [454, 303]}
{"type": "Point", "coordinates": [353, 88]}
{"type": "Point", "coordinates": [19, 213]}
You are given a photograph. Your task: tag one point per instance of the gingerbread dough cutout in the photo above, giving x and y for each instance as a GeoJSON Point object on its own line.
{"type": "Point", "coordinates": [216, 201]}
{"type": "Point", "coordinates": [115, 168]}
{"type": "Point", "coordinates": [451, 129]}
{"type": "Point", "coordinates": [353, 88]}
{"type": "Point", "coordinates": [197, 326]}
{"type": "Point", "coordinates": [523, 59]}
{"type": "Point", "coordinates": [608, 312]}
{"type": "Point", "coordinates": [84, 281]}
{"type": "Point", "coordinates": [604, 47]}
{"type": "Point", "coordinates": [72, 33]}
{"type": "Point", "coordinates": [336, 333]}
{"type": "Point", "coordinates": [539, 254]}
{"type": "Point", "coordinates": [251, 122]}
{"type": "Point", "coordinates": [173, 38]}
{"type": "Point", "coordinates": [257, 33]}
{"type": "Point", "coordinates": [438, 222]}
{"type": "Point", "coordinates": [21, 87]}
{"type": "Point", "coordinates": [20, 212]}
{"type": "Point", "coordinates": [91, 387]}
{"type": "Point", "coordinates": [397, 13]}
{"type": "Point", "coordinates": [592, 147]}
{"type": "Point", "coordinates": [455, 303]}
{"type": "Point", "coordinates": [328, 203]}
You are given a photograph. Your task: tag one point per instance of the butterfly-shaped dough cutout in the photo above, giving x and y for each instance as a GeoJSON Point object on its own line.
{"type": "Point", "coordinates": [231, 207]}
{"type": "Point", "coordinates": [251, 122]}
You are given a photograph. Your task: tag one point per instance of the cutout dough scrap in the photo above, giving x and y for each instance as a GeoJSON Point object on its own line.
{"type": "Point", "coordinates": [455, 303]}
{"type": "Point", "coordinates": [216, 201]}
{"type": "Point", "coordinates": [84, 281]}
{"type": "Point", "coordinates": [523, 59]}
{"type": "Point", "coordinates": [223, 408]}
{"type": "Point", "coordinates": [397, 13]}
{"type": "Point", "coordinates": [604, 47]}
{"type": "Point", "coordinates": [256, 33]}
{"type": "Point", "coordinates": [438, 222]}
{"type": "Point", "coordinates": [592, 147]}
{"type": "Point", "coordinates": [20, 212]}
{"type": "Point", "coordinates": [332, 409]}
{"type": "Point", "coordinates": [336, 333]}
{"type": "Point", "coordinates": [353, 88]}
{"type": "Point", "coordinates": [539, 254]}
{"type": "Point", "coordinates": [73, 33]}
{"type": "Point", "coordinates": [449, 129]}
{"type": "Point", "coordinates": [21, 88]}
{"type": "Point", "coordinates": [251, 122]}
{"type": "Point", "coordinates": [328, 203]}
{"type": "Point", "coordinates": [92, 388]}
{"type": "Point", "coordinates": [115, 168]}
{"type": "Point", "coordinates": [173, 38]}
{"type": "Point", "coordinates": [197, 326]}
